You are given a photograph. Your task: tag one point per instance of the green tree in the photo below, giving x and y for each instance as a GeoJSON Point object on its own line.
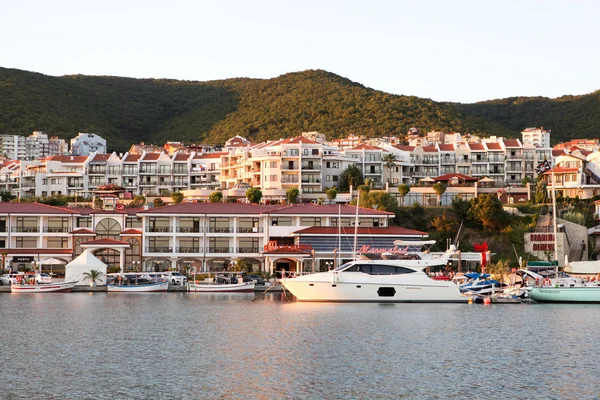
{"type": "Point", "coordinates": [138, 201]}
{"type": "Point", "coordinates": [439, 188]}
{"type": "Point", "coordinates": [291, 195]}
{"type": "Point", "coordinates": [331, 193]}
{"type": "Point", "coordinates": [379, 200]}
{"type": "Point", "coordinates": [403, 190]}
{"type": "Point", "coordinates": [216, 197]}
{"type": "Point", "coordinates": [254, 195]}
{"type": "Point", "coordinates": [93, 275]}
{"type": "Point", "coordinates": [351, 176]}
{"type": "Point", "coordinates": [177, 197]}
{"type": "Point", "coordinates": [487, 210]}
{"type": "Point", "coordinates": [6, 195]}
{"type": "Point", "coordinates": [445, 225]}
{"type": "Point", "coordinates": [158, 202]}
{"type": "Point", "coordinates": [461, 208]}
{"type": "Point", "coordinates": [390, 162]}
{"type": "Point", "coordinates": [540, 190]}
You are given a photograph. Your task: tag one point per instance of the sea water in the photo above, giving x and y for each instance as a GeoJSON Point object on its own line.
{"type": "Point", "coordinates": [224, 346]}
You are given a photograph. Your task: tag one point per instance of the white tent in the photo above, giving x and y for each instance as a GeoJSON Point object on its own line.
{"type": "Point", "coordinates": [85, 262]}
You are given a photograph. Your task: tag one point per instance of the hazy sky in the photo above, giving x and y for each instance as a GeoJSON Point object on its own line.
{"type": "Point", "coordinates": [447, 50]}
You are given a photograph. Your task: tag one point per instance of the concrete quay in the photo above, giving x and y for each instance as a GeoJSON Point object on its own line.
{"type": "Point", "coordinates": [172, 288]}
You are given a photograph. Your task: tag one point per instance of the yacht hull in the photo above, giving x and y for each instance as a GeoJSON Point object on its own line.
{"type": "Point", "coordinates": [590, 294]}
{"type": "Point", "coordinates": [380, 292]}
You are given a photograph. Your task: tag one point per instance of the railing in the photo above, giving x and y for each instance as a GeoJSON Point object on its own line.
{"type": "Point", "coordinates": [55, 229]}
{"type": "Point", "coordinates": [188, 250]}
{"type": "Point", "coordinates": [292, 179]}
{"type": "Point", "coordinates": [128, 172]}
{"type": "Point", "coordinates": [159, 249]}
{"type": "Point", "coordinates": [227, 229]}
{"type": "Point", "coordinates": [189, 229]}
{"type": "Point", "coordinates": [148, 183]}
{"type": "Point", "coordinates": [249, 229]}
{"type": "Point", "coordinates": [159, 229]}
{"type": "Point", "coordinates": [97, 171]}
{"type": "Point", "coordinates": [248, 250]}
{"type": "Point", "coordinates": [148, 171]}
{"type": "Point", "coordinates": [289, 168]}
{"type": "Point", "coordinates": [25, 229]}
{"type": "Point", "coordinates": [373, 171]}
{"type": "Point", "coordinates": [311, 181]}
{"type": "Point", "coordinates": [220, 250]}
{"type": "Point", "coordinates": [311, 167]}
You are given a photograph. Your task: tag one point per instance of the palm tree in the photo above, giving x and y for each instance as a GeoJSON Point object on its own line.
{"type": "Point", "coordinates": [94, 275]}
{"type": "Point", "coordinates": [403, 190]}
{"type": "Point", "coordinates": [390, 162]}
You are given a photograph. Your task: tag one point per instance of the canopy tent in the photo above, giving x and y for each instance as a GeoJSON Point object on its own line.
{"type": "Point", "coordinates": [487, 180]}
{"type": "Point", "coordinates": [427, 179]}
{"type": "Point", "coordinates": [52, 261]}
{"type": "Point", "coordinates": [85, 262]}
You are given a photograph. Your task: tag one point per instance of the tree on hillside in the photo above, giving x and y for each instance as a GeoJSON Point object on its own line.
{"type": "Point", "coordinates": [254, 195]}
{"type": "Point", "coordinates": [291, 195]}
{"type": "Point", "coordinates": [487, 210]}
{"type": "Point", "coordinates": [445, 225]}
{"type": "Point", "coordinates": [351, 176]}
{"type": "Point", "coordinates": [403, 190]}
{"type": "Point", "coordinates": [177, 197]}
{"type": "Point", "coordinates": [439, 188]}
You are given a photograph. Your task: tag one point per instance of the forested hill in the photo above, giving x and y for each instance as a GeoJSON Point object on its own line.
{"type": "Point", "coordinates": [568, 117]}
{"type": "Point", "coordinates": [126, 110]}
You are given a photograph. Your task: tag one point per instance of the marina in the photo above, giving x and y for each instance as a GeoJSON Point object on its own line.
{"type": "Point", "coordinates": [226, 346]}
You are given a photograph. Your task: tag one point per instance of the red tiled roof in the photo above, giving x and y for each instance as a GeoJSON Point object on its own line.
{"type": "Point", "coordinates": [105, 242]}
{"type": "Point", "coordinates": [327, 209]}
{"type": "Point", "coordinates": [83, 231]}
{"type": "Point", "coordinates": [32, 208]}
{"type": "Point", "coordinates": [100, 158]}
{"type": "Point", "coordinates": [560, 170]}
{"type": "Point", "coordinates": [558, 152]}
{"type": "Point", "coordinates": [349, 231]}
{"type": "Point", "coordinates": [181, 157]}
{"type": "Point", "coordinates": [447, 147]}
{"type": "Point", "coordinates": [302, 139]}
{"type": "Point", "coordinates": [210, 155]}
{"type": "Point", "coordinates": [366, 147]}
{"type": "Point", "coordinates": [430, 149]}
{"type": "Point", "coordinates": [132, 158]}
{"type": "Point", "coordinates": [68, 159]}
{"type": "Point", "coordinates": [132, 232]}
{"type": "Point", "coordinates": [404, 148]}
{"type": "Point", "coordinates": [494, 146]}
{"type": "Point", "coordinates": [447, 177]}
{"type": "Point", "coordinates": [476, 146]}
{"type": "Point", "coordinates": [151, 156]}
{"type": "Point", "coordinates": [512, 143]}
{"type": "Point", "coordinates": [37, 251]}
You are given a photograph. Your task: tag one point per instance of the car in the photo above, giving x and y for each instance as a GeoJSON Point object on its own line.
{"type": "Point", "coordinates": [43, 278]}
{"type": "Point", "coordinates": [224, 279]}
{"type": "Point", "coordinates": [5, 279]}
{"type": "Point", "coordinates": [174, 278]}
{"type": "Point", "coordinates": [259, 280]}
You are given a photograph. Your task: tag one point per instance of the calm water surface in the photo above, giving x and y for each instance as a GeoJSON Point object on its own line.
{"type": "Point", "coordinates": [196, 345]}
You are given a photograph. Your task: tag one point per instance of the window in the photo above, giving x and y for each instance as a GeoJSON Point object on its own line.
{"type": "Point", "coordinates": [379, 269]}
{"type": "Point", "coordinates": [27, 243]}
{"type": "Point", "coordinates": [56, 224]}
{"type": "Point", "coordinates": [273, 178]}
{"type": "Point", "coordinates": [336, 165]}
{"type": "Point", "coordinates": [108, 228]}
{"type": "Point", "coordinates": [328, 178]}
{"type": "Point", "coordinates": [315, 152]}
{"type": "Point", "coordinates": [189, 224]}
{"type": "Point", "coordinates": [328, 164]}
{"type": "Point", "coordinates": [281, 221]}
{"type": "Point", "coordinates": [273, 164]}
{"type": "Point", "coordinates": [294, 152]}
{"type": "Point", "coordinates": [335, 178]}
{"type": "Point", "coordinates": [305, 152]}
{"type": "Point", "coordinates": [58, 243]}
{"type": "Point", "coordinates": [27, 224]}
{"type": "Point", "coordinates": [310, 221]}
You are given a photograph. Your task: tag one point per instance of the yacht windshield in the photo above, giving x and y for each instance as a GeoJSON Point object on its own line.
{"type": "Point", "coordinates": [343, 266]}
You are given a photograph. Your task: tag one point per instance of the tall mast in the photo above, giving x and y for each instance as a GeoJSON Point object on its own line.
{"type": "Point", "coordinates": [356, 223]}
{"type": "Point", "coordinates": [554, 220]}
{"type": "Point", "coordinates": [337, 262]}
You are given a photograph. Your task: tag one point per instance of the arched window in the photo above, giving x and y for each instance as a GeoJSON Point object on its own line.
{"type": "Point", "coordinates": [108, 228]}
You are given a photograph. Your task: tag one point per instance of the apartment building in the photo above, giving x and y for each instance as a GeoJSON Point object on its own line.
{"type": "Point", "coordinates": [13, 147]}
{"type": "Point", "coordinates": [87, 143]}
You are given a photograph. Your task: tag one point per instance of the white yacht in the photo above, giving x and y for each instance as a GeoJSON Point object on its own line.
{"type": "Point", "coordinates": [377, 281]}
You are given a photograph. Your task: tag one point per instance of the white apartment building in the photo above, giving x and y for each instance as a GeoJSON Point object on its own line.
{"type": "Point", "coordinates": [13, 147]}
{"type": "Point", "coordinates": [536, 137]}
{"type": "Point", "coordinates": [87, 143]}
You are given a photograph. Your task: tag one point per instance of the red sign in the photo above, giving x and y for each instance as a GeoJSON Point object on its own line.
{"type": "Point", "coordinates": [366, 249]}
{"type": "Point", "coordinates": [274, 246]}
{"type": "Point", "coordinates": [120, 207]}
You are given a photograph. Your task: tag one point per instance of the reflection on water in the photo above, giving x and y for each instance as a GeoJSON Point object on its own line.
{"type": "Point", "coordinates": [199, 345]}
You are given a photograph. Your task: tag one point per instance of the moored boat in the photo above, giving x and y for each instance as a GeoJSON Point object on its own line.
{"type": "Point", "coordinates": [221, 287]}
{"type": "Point", "coordinates": [58, 287]}
{"type": "Point", "coordinates": [139, 288]}
{"type": "Point", "coordinates": [380, 281]}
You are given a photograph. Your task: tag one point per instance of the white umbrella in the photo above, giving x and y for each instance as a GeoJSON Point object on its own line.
{"type": "Point", "coordinates": [52, 261]}
{"type": "Point", "coordinates": [427, 179]}
{"type": "Point", "coordinates": [486, 180]}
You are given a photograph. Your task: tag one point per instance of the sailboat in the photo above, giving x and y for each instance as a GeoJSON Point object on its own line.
{"type": "Point", "coordinates": [563, 289]}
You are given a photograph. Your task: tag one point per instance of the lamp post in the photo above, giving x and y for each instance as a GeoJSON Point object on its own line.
{"type": "Point", "coordinates": [329, 265]}
{"type": "Point", "coordinates": [135, 266]}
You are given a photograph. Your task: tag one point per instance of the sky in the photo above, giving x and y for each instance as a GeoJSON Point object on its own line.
{"type": "Point", "coordinates": [446, 50]}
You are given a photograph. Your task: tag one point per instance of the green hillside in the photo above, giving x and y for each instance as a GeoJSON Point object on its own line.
{"type": "Point", "coordinates": [568, 117]}
{"type": "Point", "coordinates": [125, 110]}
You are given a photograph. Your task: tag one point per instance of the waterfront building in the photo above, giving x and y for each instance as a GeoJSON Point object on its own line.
{"type": "Point", "coordinates": [13, 147]}
{"type": "Point", "coordinates": [87, 143]}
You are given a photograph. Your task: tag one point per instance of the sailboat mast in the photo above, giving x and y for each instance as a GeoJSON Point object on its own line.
{"type": "Point", "coordinates": [337, 262]}
{"type": "Point", "coordinates": [356, 223]}
{"type": "Point", "coordinates": [554, 220]}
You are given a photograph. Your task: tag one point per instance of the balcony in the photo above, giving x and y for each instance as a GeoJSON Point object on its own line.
{"type": "Point", "coordinates": [248, 250]}
{"type": "Point", "coordinates": [309, 181]}
{"type": "Point", "coordinates": [189, 229]}
{"type": "Point", "coordinates": [375, 171]}
{"type": "Point", "coordinates": [189, 250]}
{"type": "Point", "coordinates": [289, 179]}
{"type": "Point", "coordinates": [225, 229]}
{"type": "Point", "coordinates": [249, 229]}
{"type": "Point", "coordinates": [314, 167]}
{"type": "Point", "coordinates": [159, 229]}
{"type": "Point", "coordinates": [97, 171]}
{"type": "Point", "coordinates": [148, 171]}
{"type": "Point", "coordinates": [220, 250]}
{"type": "Point", "coordinates": [148, 183]}
{"type": "Point", "coordinates": [51, 229]}
{"type": "Point", "coordinates": [25, 229]}
{"type": "Point", "coordinates": [159, 249]}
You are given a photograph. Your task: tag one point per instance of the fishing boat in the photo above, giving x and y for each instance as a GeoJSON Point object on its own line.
{"type": "Point", "coordinates": [136, 283]}
{"type": "Point", "coordinates": [564, 289]}
{"type": "Point", "coordinates": [223, 282]}
{"type": "Point", "coordinates": [377, 281]}
{"type": "Point", "coordinates": [58, 287]}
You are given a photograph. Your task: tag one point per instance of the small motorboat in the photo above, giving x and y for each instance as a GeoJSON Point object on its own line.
{"type": "Point", "coordinates": [135, 283]}
{"type": "Point", "coordinates": [480, 284]}
{"type": "Point", "coordinates": [224, 282]}
{"type": "Point", "coordinates": [58, 287]}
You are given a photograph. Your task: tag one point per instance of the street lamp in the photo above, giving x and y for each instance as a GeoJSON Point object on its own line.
{"type": "Point", "coordinates": [135, 265]}
{"type": "Point", "coordinates": [329, 265]}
